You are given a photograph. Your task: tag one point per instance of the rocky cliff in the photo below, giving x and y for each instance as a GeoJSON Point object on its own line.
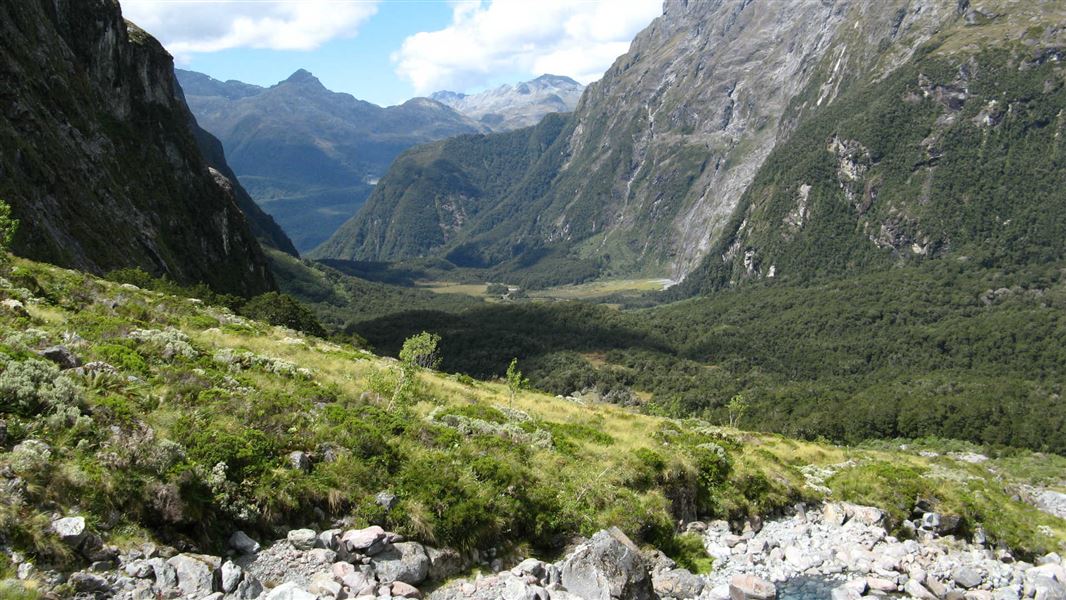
{"type": "Point", "coordinates": [650, 169]}
{"type": "Point", "coordinates": [97, 156]}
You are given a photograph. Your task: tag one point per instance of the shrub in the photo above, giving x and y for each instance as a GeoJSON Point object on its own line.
{"type": "Point", "coordinates": [32, 386]}
{"type": "Point", "coordinates": [169, 342]}
{"type": "Point", "coordinates": [283, 310]}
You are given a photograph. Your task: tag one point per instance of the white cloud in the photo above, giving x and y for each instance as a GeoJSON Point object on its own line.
{"type": "Point", "coordinates": [577, 38]}
{"type": "Point", "coordinates": [193, 26]}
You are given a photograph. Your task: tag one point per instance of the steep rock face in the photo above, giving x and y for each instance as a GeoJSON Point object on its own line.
{"type": "Point", "coordinates": [308, 155]}
{"type": "Point", "coordinates": [959, 152]}
{"type": "Point", "coordinates": [511, 107]}
{"type": "Point", "coordinates": [97, 158]}
{"type": "Point", "coordinates": [659, 152]}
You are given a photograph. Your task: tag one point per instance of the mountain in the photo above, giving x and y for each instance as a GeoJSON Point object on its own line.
{"type": "Point", "coordinates": [515, 106]}
{"type": "Point", "coordinates": [307, 155]}
{"type": "Point", "coordinates": [99, 154]}
{"type": "Point", "coordinates": [653, 172]}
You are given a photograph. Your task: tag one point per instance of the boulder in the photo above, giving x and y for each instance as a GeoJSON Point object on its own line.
{"type": "Point", "coordinates": [290, 591]}
{"type": "Point", "coordinates": [302, 539]}
{"type": "Point", "coordinates": [14, 307]}
{"type": "Point", "coordinates": [404, 561]}
{"type": "Point", "coordinates": [967, 577]}
{"type": "Point", "coordinates": [403, 590]}
{"type": "Point", "coordinates": [1045, 588]}
{"type": "Point", "coordinates": [61, 356]}
{"type": "Point", "coordinates": [324, 585]}
{"type": "Point", "coordinates": [231, 576]}
{"type": "Point", "coordinates": [444, 563]}
{"type": "Point", "coordinates": [369, 541]}
{"type": "Point", "coordinates": [166, 578]}
{"type": "Point", "coordinates": [607, 567]}
{"type": "Point", "coordinates": [677, 583]}
{"type": "Point", "coordinates": [195, 576]}
{"type": "Point", "coordinates": [240, 542]}
{"type": "Point", "coordinates": [915, 589]}
{"type": "Point", "coordinates": [71, 530]}
{"type": "Point", "coordinates": [88, 583]}
{"type": "Point", "coordinates": [930, 521]}
{"type": "Point", "coordinates": [300, 461]}
{"type": "Point", "coordinates": [386, 500]}
{"type": "Point", "coordinates": [1049, 570]}
{"type": "Point", "coordinates": [322, 556]}
{"type": "Point", "coordinates": [1049, 559]}
{"type": "Point", "coordinates": [834, 513]}
{"type": "Point", "coordinates": [749, 587]}
{"type": "Point", "coordinates": [530, 566]}
{"type": "Point", "coordinates": [329, 539]}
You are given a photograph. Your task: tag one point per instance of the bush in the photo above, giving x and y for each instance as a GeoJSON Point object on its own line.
{"type": "Point", "coordinates": [33, 386]}
{"type": "Point", "coordinates": [284, 311]}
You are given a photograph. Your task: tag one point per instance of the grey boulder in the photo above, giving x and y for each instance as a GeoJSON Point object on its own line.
{"type": "Point", "coordinates": [748, 587]}
{"type": "Point", "coordinates": [677, 583]}
{"type": "Point", "coordinates": [607, 567]}
{"type": "Point", "coordinates": [196, 576]}
{"type": "Point", "coordinates": [404, 561]}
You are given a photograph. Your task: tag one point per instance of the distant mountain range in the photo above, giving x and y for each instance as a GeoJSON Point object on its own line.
{"type": "Point", "coordinates": [515, 106]}
{"type": "Point", "coordinates": [310, 156]}
{"type": "Point", "coordinates": [307, 155]}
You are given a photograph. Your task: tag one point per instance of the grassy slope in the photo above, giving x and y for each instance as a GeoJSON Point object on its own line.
{"type": "Point", "coordinates": [533, 477]}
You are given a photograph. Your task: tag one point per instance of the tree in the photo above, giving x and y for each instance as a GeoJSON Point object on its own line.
{"type": "Point", "coordinates": [285, 311]}
{"type": "Point", "coordinates": [8, 226]}
{"type": "Point", "coordinates": [515, 381]}
{"type": "Point", "coordinates": [737, 406]}
{"type": "Point", "coordinates": [418, 352]}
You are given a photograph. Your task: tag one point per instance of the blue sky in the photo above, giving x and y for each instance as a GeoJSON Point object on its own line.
{"type": "Point", "coordinates": [387, 51]}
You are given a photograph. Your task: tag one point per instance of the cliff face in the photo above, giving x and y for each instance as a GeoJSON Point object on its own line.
{"type": "Point", "coordinates": [653, 164]}
{"type": "Point", "coordinates": [97, 156]}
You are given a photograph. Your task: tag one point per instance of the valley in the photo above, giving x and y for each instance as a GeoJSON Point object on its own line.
{"type": "Point", "coordinates": [771, 309]}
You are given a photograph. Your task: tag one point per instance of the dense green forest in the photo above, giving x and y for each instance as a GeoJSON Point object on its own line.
{"type": "Point", "coordinates": [945, 348]}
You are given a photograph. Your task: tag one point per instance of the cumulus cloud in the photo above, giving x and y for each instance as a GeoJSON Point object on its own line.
{"type": "Point", "coordinates": [192, 26]}
{"type": "Point", "coordinates": [577, 38]}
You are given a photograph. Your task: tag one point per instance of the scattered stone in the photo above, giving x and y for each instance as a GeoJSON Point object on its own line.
{"type": "Point", "coordinates": [240, 542]}
{"type": "Point", "coordinates": [88, 583]}
{"type": "Point", "coordinates": [62, 356]}
{"type": "Point", "coordinates": [369, 541]}
{"type": "Point", "coordinates": [917, 590]}
{"type": "Point", "coordinates": [607, 567]}
{"type": "Point", "coordinates": [300, 461]}
{"type": "Point", "coordinates": [386, 500]}
{"type": "Point", "coordinates": [71, 530]}
{"type": "Point", "coordinates": [677, 583]}
{"type": "Point", "coordinates": [302, 539]}
{"type": "Point", "coordinates": [967, 577]}
{"type": "Point", "coordinates": [405, 561]}
{"type": "Point", "coordinates": [195, 575]}
{"type": "Point", "coordinates": [748, 587]}
{"type": "Point", "coordinates": [403, 590]}
{"type": "Point", "coordinates": [231, 576]}
{"type": "Point", "coordinates": [290, 591]}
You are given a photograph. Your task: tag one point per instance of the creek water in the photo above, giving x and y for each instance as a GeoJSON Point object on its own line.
{"type": "Point", "coordinates": [806, 588]}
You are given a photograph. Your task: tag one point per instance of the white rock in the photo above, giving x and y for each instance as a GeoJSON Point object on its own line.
{"type": "Point", "coordinates": [290, 591]}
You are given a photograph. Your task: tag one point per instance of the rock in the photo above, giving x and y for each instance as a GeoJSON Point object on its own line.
{"type": "Point", "coordinates": [677, 583]}
{"type": "Point", "coordinates": [867, 515]}
{"type": "Point", "coordinates": [530, 566]}
{"type": "Point", "coordinates": [329, 539]}
{"type": "Point", "coordinates": [71, 530]}
{"type": "Point", "coordinates": [934, 585]}
{"type": "Point", "coordinates": [880, 584]}
{"type": "Point", "coordinates": [1049, 570]}
{"type": "Point", "coordinates": [166, 577]}
{"type": "Point", "coordinates": [231, 576]}
{"type": "Point", "coordinates": [1049, 559]}
{"type": "Point", "coordinates": [14, 307]}
{"type": "Point", "coordinates": [844, 593]}
{"type": "Point", "coordinates": [369, 541]}
{"type": "Point", "coordinates": [1045, 588]}
{"type": "Point", "coordinates": [323, 584]}
{"type": "Point", "coordinates": [386, 500]}
{"type": "Point", "coordinates": [930, 521]}
{"type": "Point", "coordinates": [289, 591]}
{"type": "Point", "coordinates": [607, 567]}
{"type": "Point", "coordinates": [403, 590]}
{"type": "Point", "coordinates": [749, 587]}
{"type": "Point", "coordinates": [405, 561]}
{"type": "Point", "coordinates": [967, 577]}
{"type": "Point", "coordinates": [88, 583]}
{"type": "Point", "coordinates": [322, 556]}
{"type": "Point", "coordinates": [833, 513]}
{"type": "Point", "coordinates": [62, 356]}
{"type": "Point", "coordinates": [917, 590]}
{"type": "Point", "coordinates": [948, 524]}
{"type": "Point", "coordinates": [195, 576]}
{"type": "Point", "coordinates": [302, 539]}
{"type": "Point", "coordinates": [240, 542]}
{"type": "Point", "coordinates": [445, 563]}
{"type": "Point", "coordinates": [300, 461]}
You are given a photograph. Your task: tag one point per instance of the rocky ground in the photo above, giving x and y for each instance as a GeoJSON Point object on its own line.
{"type": "Point", "coordinates": [838, 546]}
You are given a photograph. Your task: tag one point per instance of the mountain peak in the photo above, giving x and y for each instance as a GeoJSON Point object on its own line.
{"type": "Point", "coordinates": [302, 76]}
{"type": "Point", "coordinates": [556, 80]}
